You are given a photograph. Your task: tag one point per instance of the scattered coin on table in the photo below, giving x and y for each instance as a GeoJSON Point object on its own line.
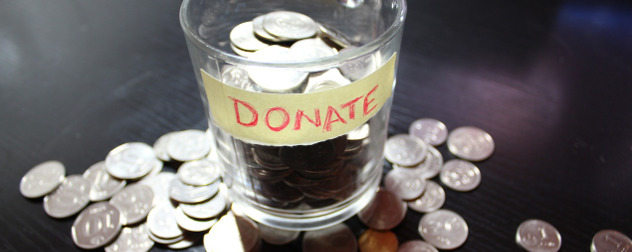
{"type": "Point", "coordinates": [470, 143]}
{"type": "Point", "coordinates": [42, 179]}
{"type": "Point", "coordinates": [444, 229]}
{"type": "Point", "coordinates": [460, 175]}
{"type": "Point", "coordinates": [610, 240]}
{"type": "Point", "coordinates": [430, 130]}
{"type": "Point", "coordinates": [538, 235]}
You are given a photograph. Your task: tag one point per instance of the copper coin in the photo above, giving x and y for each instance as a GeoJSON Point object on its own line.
{"type": "Point", "coordinates": [377, 241]}
{"type": "Point", "coordinates": [384, 212]}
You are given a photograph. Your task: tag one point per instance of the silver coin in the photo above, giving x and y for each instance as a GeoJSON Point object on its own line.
{"type": "Point", "coordinates": [241, 52]}
{"type": "Point", "coordinates": [289, 25]}
{"type": "Point", "coordinates": [130, 160]}
{"type": "Point", "coordinates": [334, 36]}
{"type": "Point", "coordinates": [337, 238]}
{"type": "Point", "coordinates": [189, 145]}
{"type": "Point", "coordinates": [430, 130]}
{"type": "Point", "coordinates": [198, 172]}
{"type": "Point", "coordinates": [160, 147]}
{"type": "Point", "coordinates": [460, 175]}
{"type": "Point", "coordinates": [538, 235]}
{"type": "Point", "coordinates": [134, 202]}
{"type": "Point", "coordinates": [327, 80]}
{"type": "Point", "coordinates": [102, 184]}
{"type": "Point", "coordinates": [238, 77]}
{"type": "Point", "coordinates": [70, 197]}
{"type": "Point", "coordinates": [157, 168]}
{"type": "Point", "coordinates": [162, 222]}
{"type": "Point", "coordinates": [359, 68]}
{"type": "Point", "coordinates": [310, 49]}
{"type": "Point", "coordinates": [429, 168]}
{"type": "Point", "coordinates": [405, 150]}
{"type": "Point", "coordinates": [277, 236]}
{"type": "Point", "coordinates": [610, 241]}
{"type": "Point", "coordinates": [165, 241]}
{"type": "Point", "coordinates": [130, 239]}
{"type": "Point", "coordinates": [188, 240]}
{"type": "Point", "coordinates": [432, 199]}
{"type": "Point", "coordinates": [416, 246]}
{"type": "Point", "coordinates": [96, 226]}
{"type": "Point", "coordinates": [232, 234]}
{"type": "Point", "coordinates": [384, 212]}
{"type": "Point", "coordinates": [275, 79]}
{"type": "Point", "coordinates": [207, 209]}
{"type": "Point", "coordinates": [159, 185]}
{"type": "Point", "coordinates": [243, 37]}
{"type": "Point", "coordinates": [257, 26]}
{"type": "Point", "coordinates": [404, 185]}
{"type": "Point", "coordinates": [193, 225]}
{"type": "Point", "coordinates": [42, 179]}
{"type": "Point", "coordinates": [191, 194]}
{"type": "Point", "coordinates": [444, 229]}
{"type": "Point", "coordinates": [470, 143]}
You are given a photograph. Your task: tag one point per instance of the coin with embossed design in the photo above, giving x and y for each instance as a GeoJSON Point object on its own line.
{"type": "Point", "coordinates": [198, 172]}
{"type": "Point", "coordinates": [42, 179]}
{"type": "Point", "coordinates": [460, 175]}
{"type": "Point", "coordinates": [102, 184]}
{"type": "Point", "coordinates": [134, 201]}
{"type": "Point", "coordinates": [160, 146]}
{"type": "Point", "coordinates": [610, 240]}
{"type": "Point", "coordinates": [159, 185]}
{"type": "Point", "coordinates": [405, 150]}
{"type": "Point", "coordinates": [243, 36]}
{"type": "Point", "coordinates": [432, 199]}
{"type": "Point", "coordinates": [188, 145]}
{"type": "Point", "coordinates": [404, 185]}
{"type": "Point", "coordinates": [206, 209]}
{"type": "Point", "coordinates": [162, 222]}
{"type": "Point", "coordinates": [430, 130]}
{"type": "Point", "coordinates": [132, 239]}
{"type": "Point", "coordinates": [96, 226]}
{"type": "Point", "coordinates": [429, 168]}
{"type": "Point", "coordinates": [538, 235]}
{"type": "Point", "coordinates": [289, 25]}
{"type": "Point", "coordinates": [69, 198]}
{"type": "Point", "coordinates": [191, 194]}
{"type": "Point", "coordinates": [444, 229]}
{"type": "Point", "coordinates": [470, 143]}
{"type": "Point", "coordinates": [130, 160]}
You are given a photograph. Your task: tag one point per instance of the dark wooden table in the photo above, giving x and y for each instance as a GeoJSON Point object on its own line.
{"type": "Point", "coordinates": [551, 82]}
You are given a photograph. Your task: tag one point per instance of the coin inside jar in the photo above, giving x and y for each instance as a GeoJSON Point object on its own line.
{"type": "Point", "coordinates": [384, 212]}
{"type": "Point", "coordinates": [335, 238]}
{"type": "Point", "coordinates": [289, 25]}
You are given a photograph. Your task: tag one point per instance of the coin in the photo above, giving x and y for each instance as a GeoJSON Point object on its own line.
{"type": "Point", "coordinates": [238, 77]}
{"type": "Point", "coordinates": [430, 130]}
{"type": "Point", "coordinates": [130, 160]}
{"type": "Point", "coordinates": [329, 79]}
{"type": "Point", "coordinates": [416, 246]}
{"type": "Point", "coordinates": [102, 185]}
{"type": "Point", "coordinates": [289, 25]}
{"type": "Point", "coordinates": [198, 172]}
{"type": "Point", "coordinates": [241, 52]}
{"type": "Point", "coordinates": [404, 185]}
{"type": "Point", "coordinates": [405, 150]}
{"type": "Point", "coordinates": [337, 238]}
{"type": "Point", "coordinates": [42, 179]}
{"type": "Point", "coordinates": [384, 212]}
{"type": "Point", "coordinates": [132, 239]}
{"type": "Point", "coordinates": [273, 79]}
{"type": "Point", "coordinates": [134, 202]}
{"type": "Point", "coordinates": [191, 194]}
{"type": "Point", "coordinates": [277, 236]}
{"type": "Point", "coordinates": [460, 175]}
{"type": "Point", "coordinates": [165, 241]}
{"type": "Point", "coordinates": [158, 184]}
{"type": "Point", "coordinates": [206, 209]}
{"type": "Point", "coordinates": [97, 225]}
{"type": "Point", "coordinates": [69, 198]}
{"type": "Point", "coordinates": [310, 49]}
{"type": "Point", "coordinates": [538, 235]}
{"type": "Point", "coordinates": [470, 143]}
{"type": "Point", "coordinates": [257, 26]}
{"type": "Point", "coordinates": [429, 168]}
{"type": "Point", "coordinates": [160, 147]}
{"type": "Point", "coordinates": [610, 240]}
{"type": "Point", "coordinates": [432, 199]}
{"type": "Point", "coordinates": [334, 36]}
{"type": "Point", "coordinates": [360, 67]}
{"type": "Point", "coordinates": [379, 241]}
{"type": "Point", "coordinates": [161, 222]}
{"type": "Point", "coordinates": [232, 233]}
{"type": "Point", "coordinates": [193, 225]}
{"type": "Point", "coordinates": [444, 229]}
{"type": "Point", "coordinates": [243, 36]}
{"type": "Point", "coordinates": [189, 145]}
{"type": "Point", "coordinates": [188, 240]}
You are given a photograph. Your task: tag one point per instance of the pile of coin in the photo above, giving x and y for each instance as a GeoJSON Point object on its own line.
{"type": "Point", "coordinates": [286, 36]}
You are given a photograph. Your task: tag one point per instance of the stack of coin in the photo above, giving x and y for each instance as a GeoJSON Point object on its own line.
{"type": "Point", "coordinates": [318, 175]}
{"type": "Point", "coordinates": [286, 36]}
